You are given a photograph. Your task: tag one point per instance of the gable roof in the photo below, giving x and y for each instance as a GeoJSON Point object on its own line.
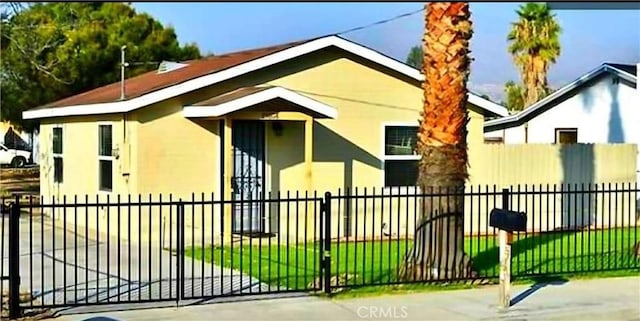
{"type": "Point", "coordinates": [622, 71]}
{"type": "Point", "coordinates": [250, 96]}
{"type": "Point", "coordinates": [630, 69]}
{"type": "Point", "coordinates": [153, 87]}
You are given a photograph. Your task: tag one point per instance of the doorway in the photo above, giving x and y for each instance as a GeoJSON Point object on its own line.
{"type": "Point", "coordinates": [248, 181]}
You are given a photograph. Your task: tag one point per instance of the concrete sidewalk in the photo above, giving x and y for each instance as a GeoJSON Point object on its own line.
{"type": "Point", "coordinates": [600, 299]}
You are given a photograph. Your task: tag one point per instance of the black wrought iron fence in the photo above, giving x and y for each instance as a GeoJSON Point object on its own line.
{"type": "Point", "coordinates": [89, 250]}
{"type": "Point", "coordinates": [377, 238]}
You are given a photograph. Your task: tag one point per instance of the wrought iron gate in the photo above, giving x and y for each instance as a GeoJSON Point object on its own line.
{"type": "Point", "coordinates": [95, 252]}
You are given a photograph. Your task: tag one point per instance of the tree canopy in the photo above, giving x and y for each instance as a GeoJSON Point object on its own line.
{"type": "Point", "coordinates": [514, 96]}
{"type": "Point", "coordinates": [55, 50]}
{"type": "Point", "coordinates": [415, 56]}
{"type": "Point", "coordinates": [534, 43]}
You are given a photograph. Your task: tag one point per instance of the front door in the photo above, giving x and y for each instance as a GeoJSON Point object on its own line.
{"type": "Point", "coordinates": [248, 179]}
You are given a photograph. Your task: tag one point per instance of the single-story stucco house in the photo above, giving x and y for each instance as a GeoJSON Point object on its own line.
{"type": "Point", "coordinates": [314, 115]}
{"type": "Point", "coordinates": [318, 114]}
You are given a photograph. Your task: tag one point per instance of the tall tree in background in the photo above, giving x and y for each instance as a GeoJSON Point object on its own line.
{"type": "Point", "coordinates": [514, 96]}
{"type": "Point", "coordinates": [534, 43]}
{"type": "Point", "coordinates": [54, 50]}
{"type": "Point", "coordinates": [415, 56]}
{"type": "Point", "coordinates": [438, 247]}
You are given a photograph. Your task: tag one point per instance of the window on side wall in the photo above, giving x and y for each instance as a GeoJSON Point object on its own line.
{"type": "Point", "coordinates": [566, 136]}
{"type": "Point", "coordinates": [57, 155]}
{"type": "Point", "coordinates": [400, 158]}
{"type": "Point", "coordinates": [105, 158]}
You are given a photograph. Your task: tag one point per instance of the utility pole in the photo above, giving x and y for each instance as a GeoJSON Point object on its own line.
{"type": "Point", "coordinates": [123, 66]}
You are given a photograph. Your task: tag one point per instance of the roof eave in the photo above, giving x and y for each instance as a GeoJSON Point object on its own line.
{"type": "Point", "coordinates": [77, 110]}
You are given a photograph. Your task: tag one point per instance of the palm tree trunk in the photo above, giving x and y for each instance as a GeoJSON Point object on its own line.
{"type": "Point", "coordinates": [438, 251]}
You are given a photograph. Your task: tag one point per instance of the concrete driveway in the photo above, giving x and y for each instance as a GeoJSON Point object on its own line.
{"type": "Point", "coordinates": [60, 268]}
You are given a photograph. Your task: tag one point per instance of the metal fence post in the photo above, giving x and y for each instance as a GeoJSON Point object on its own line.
{"type": "Point", "coordinates": [505, 198]}
{"type": "Point", "coordinates": [180, 251]}
{"type": "Point", "coordinates": [326, 259]}
{"type": "Point", "coordinates": [14, 260]}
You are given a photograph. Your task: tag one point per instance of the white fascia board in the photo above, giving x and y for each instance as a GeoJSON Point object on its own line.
{"type": "Point", "coordinates": [91, 109]}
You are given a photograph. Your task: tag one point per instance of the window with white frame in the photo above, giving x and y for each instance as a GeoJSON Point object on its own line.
{"type": "Point", "coordinates": [57, 155]}
{"type": "Point", "coordinates": [105, 158]}
{"type": "Point", "coordinates": [400, 157]}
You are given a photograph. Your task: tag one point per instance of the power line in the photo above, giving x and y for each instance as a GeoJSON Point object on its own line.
{"type": "Point", "coordinates": [381, 22]}
{"type": "Point", "coordinates": [404, 15]}
{"type": "Point", "coordinates": [73, 25]}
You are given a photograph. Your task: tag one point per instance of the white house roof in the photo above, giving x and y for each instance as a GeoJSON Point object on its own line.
{"type": "Point", "coordinates": [280, 55]}
{"type": "Point", "coordinates": [514, 120]}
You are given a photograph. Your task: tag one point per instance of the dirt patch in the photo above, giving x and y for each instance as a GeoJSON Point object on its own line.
{"type": "Point", "coordinates": [23, 181]}
{"type": "Point", "coordinates": [31, 315]}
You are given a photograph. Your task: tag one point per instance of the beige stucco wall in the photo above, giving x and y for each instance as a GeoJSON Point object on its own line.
{"type": "Point", "coordinates": [348, 151]}
{"type": "Point", "coordinates": [80, 156]}
{"type": "Point", "coordinates": [175, 154]}
{"type": "Point", "coordinates": [80, 171]}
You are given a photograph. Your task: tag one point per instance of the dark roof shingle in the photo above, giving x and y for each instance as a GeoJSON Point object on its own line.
{"type": "Point", "coordinates": [153, 81]}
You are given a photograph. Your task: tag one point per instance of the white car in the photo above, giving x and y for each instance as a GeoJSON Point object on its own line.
{"type": "Point", "coordinates": [14, 157]}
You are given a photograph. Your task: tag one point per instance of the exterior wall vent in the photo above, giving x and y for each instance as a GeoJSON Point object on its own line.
{"type": "Point", "coordinates": [167, 66]}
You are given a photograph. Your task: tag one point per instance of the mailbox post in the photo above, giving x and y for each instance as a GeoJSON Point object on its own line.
{"type": "Point", "coordinates": [506, 222]}
{"type": "Point", "coordinates": [504, 294]}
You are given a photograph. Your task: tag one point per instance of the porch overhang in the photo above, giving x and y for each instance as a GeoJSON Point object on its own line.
{"type": "Point", "coordinates": [247, 97]}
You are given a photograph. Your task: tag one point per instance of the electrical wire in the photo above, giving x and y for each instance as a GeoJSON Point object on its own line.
{"type": "Point", "coordinates": [367, 26]}
{"type": "Point", "coordinates": [404, 15]}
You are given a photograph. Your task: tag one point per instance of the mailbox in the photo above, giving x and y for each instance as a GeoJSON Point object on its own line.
{"type": "Point", "coordinates": [508, 220]}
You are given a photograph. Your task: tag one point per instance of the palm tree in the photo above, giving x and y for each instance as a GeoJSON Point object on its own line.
{"type": "Point", "coordinates": [514, 95]}
{"type": "Point", "coordinates": [535, 46]}
{"type": "Point", "coordinates": [438, 247]}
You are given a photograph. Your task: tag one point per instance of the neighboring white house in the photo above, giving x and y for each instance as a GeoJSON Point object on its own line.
{"type": "Point", "coordinates": [602, 106]}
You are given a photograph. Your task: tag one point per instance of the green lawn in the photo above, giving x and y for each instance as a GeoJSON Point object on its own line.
{"type": "Point", "coordinates": [377, 262]}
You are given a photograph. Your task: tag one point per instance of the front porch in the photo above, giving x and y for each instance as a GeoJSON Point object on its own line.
{"type": "Point", "coordinates": [266, 136]}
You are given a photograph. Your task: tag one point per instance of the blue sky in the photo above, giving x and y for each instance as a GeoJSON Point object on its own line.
{"type": "Point", "coordinates": [589, 37]}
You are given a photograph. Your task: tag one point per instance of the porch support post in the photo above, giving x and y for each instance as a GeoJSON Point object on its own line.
{"type": "Point", "coordinates": [308, 173]}
{"type": "Point", "coordinates": [308, 152]}
{"type": "Point", "coordinates": [228, 173]}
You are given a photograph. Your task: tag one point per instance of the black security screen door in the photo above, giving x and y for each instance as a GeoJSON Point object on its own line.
{"type": "Point", "coordinates": [248, 179]}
